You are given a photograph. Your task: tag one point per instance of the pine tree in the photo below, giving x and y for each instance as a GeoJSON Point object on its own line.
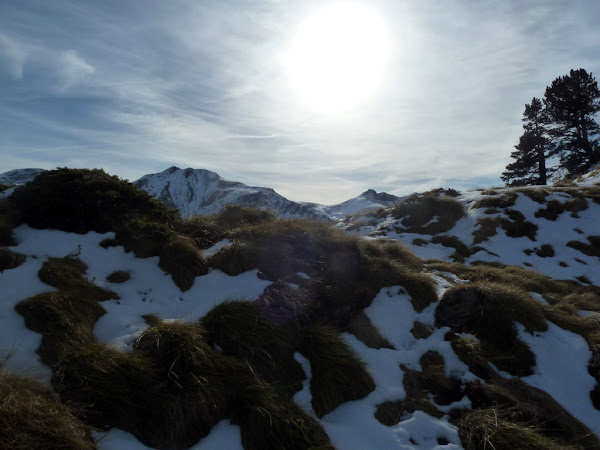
{"type": "Point", "coordinates": [571, 103]}
{"type": "Point", "coordinates": [532, 150]}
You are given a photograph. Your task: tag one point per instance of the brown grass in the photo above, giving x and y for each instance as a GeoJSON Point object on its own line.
{"type": "Point", "coordinates": [338, 375]}
{"type": "Point", "coordinates": [10, 260]}
{"type": "Point", "coordinates": [31, 419]}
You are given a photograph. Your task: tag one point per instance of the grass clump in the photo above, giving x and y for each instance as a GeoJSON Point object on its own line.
{"type": "Point", "coordinates": [591, 249]}
{"type": "Point", "coordinates": [431, 380]}
{"type": "Point", "coordinates": [10, 260]}
{"type": "Point", "coordinates": [545, 251]}
{"type": "Point", "coordinates": [338, 375]}
{"type": "Point", "coordinates": [510, 413]}
{"type": "Point", "coordinates": [489, 311]}
{"type": "Point", "coordinates": [67, 274]}
{"type": "Point", "coordinates": [240, 331]}
{"type": "Point", "coordinates": [392, 413]}
{"type": "Point", "coordinates": [461, 250]}
{"type": "Point", "coordinates": [203, 230]}
{"type": "Point", "coordinates": [553, 209]}
{"type": "Point", "coordinates": [119, 276]}
{"type": "Point", "coordinates": [428, 213]}
{"type": "Point", "coordinates": [82, 200]}
{"type": "Point", "coordinates": [238, 216]}
{"type": "Point", "coordinates": [183, 261]}
{"type": "Point", "coordinates": [575, 205]}
{"type": "Point", "coordinates": [30, 418]}
{"type": "Point", "coordinates": [269, 422]}
{"type": "Point", "coordinates": [514, 226]}
{"type": "Point", "coordinates": [506, 200]}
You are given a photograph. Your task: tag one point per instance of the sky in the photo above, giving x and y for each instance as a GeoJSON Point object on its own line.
{"type": "Point", "coordinates": [319, 100]}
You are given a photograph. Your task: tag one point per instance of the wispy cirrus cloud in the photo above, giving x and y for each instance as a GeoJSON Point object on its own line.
{"type": "Point", "coordinates": [203, 84]}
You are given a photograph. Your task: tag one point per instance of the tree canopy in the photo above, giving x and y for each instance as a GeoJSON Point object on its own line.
{"type": "Point", "coordinates": [562, 125]}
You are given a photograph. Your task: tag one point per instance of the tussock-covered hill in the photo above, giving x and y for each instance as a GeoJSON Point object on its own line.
{"type": "Point", "coordinates": [241, 330]}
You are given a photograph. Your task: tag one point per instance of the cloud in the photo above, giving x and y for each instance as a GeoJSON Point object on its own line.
{"type": "Point", "coordinates": [73, 69]}
{"type": "Point", "coordinates": [12, 57]}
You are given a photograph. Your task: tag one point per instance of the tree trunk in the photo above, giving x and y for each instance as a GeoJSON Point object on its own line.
{"type": "Point", "coordinates": [541, 165]}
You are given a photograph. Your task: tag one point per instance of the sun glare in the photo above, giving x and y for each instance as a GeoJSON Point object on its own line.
{"type": "Point", "coordinates": [337, 58]}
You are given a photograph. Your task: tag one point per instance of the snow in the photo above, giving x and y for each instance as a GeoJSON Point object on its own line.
{"type": "Point", "coordinates": [561, 370]}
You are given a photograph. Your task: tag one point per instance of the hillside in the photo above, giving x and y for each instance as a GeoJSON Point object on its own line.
{"type": "Point", "coordinates": [242, 330]}
{"type": "Point", "coordinates": [202, 192]}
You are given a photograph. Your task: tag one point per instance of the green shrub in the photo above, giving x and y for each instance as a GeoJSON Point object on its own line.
{"type": "Point", "coordinates": [10, 260]}
{"type": "Point", "coordinates": [338, 375]}
{"type": "Point", "coordinates": [30, 418]}
{"type": "Point", "coordinates": [417, 213]}
{"type": "Point", "coordinates": [82, 200]}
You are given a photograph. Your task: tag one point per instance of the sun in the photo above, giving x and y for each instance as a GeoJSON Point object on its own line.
{"type": "Point", "coordinates": [337, 58]}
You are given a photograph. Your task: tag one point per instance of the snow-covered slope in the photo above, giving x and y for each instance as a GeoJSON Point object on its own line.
{"type": "Point", "coordinates": [201, 192]}
{"type": "Point", "coordinates": [367, 201]}
{"type": "Point", "coordinates": [551, 230]}
{"type": "Point", "coordinates": [16, 177]}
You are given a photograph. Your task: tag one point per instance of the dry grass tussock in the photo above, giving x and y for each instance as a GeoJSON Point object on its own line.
{"type": "Point", "coordinates": [10, 260]}
{"type": "Point", "coordinates": [510, 414]}
{"type": "Point", "coordinates": [174, 386]}
{"type": "Point", "coordinates": [428, 213]}
{"type": "Point", "coordinates": [338, 375]}
{"type": "Point", "coordinates": [346, 272]}
{"type": "Point", "coordinates": [30, 418]}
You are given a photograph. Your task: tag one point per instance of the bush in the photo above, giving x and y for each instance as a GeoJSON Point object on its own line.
{"type": "Point", "coordinates": [31, 419]}
{"type": "Point", "coordinates": [82, 200]}
{"type": "Point", "coordinates": [338, 375]}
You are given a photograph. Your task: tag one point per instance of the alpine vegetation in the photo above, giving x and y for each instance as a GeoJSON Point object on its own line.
{"type": "Point", "coordinates": [442, 320]}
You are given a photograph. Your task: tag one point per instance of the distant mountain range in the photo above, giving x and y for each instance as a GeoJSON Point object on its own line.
{"type": "Point", "coordinates": [202, 192]}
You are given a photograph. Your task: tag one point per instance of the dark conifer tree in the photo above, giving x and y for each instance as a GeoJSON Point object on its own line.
{"type": "Point", "coordinates": [532, 150]}
{"type": "Point", "coordinates": [572, 101]}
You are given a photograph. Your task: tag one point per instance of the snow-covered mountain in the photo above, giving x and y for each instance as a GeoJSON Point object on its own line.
{"type": "Point", "coordinates": [201, 192]}
{"type": "Point", "coordinates": [18, 176]}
